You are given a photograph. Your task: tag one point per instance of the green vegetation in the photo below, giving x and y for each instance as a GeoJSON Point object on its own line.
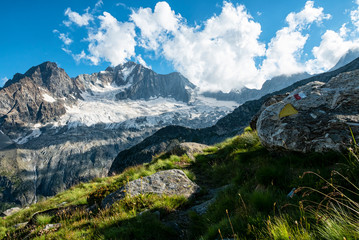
{"type": "Point", "coordinates": [253, 205]}
{"type": "Point", "coordinates": [43, 219]}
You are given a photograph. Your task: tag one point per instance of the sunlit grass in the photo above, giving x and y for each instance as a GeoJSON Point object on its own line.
{"type": "Point", "coordinates": [254, 205]}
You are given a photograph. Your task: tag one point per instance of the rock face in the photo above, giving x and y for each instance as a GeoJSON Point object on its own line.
{"type": "Point", "coordinates": [228, 126]}
{"type": "Point", "coordinates": [169, 182]}
{"type": "Point", "coordinates": [321, 120]}
{"type": "Point", "coordinates": [139, 82]}
{"type": "Point", "coordinates": [30, 98]}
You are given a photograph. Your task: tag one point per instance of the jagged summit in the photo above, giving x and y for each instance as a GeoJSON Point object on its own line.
{"type": "Point", "coordinates": [135, 81]}
{"type": "Point", "coordinates": [42, 74]}
{"type": "Point", "coordinates": [36, 96]}
{"type": "Point", "coordinates": [122, 66]}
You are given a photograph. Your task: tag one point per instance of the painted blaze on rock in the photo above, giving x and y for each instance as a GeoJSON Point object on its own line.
{"type": "Point", "coordinates": [169, 182]}
{"type": "Point", "coordinates": [315, 117]}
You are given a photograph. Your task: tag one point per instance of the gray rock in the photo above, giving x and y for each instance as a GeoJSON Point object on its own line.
{"type": "Point", "coordinates": [20, 225]}
{"type": "Point", "coordinates": [323, 120]}
{"type": "Point", "coordinates": [169, 182]}
{"type": "Point", "coordinates": [213, 194]}
{"type": "Point", "coordinates": [52, 226]}
{"type": "Point", "coordinates": [272, 100]}
{"type": "Point", "coordinates": [202, 208]}
{"type": "Point", "coordinates": [11, 211]}
{"type": "Point", "coordinates": [189, 148]}
{"type": "Point", "coordinates": [23, 101]}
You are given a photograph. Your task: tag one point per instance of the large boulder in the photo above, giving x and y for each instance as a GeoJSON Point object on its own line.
{"type": "Point", "coordinates": [169, 182]}
{"type": "Point", "coordinates": [315, 117]}
{"type": "Point", "coordinates": [188, 148]}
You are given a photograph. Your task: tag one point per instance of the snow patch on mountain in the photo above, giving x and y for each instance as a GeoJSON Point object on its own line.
{"type": "Point", "coordinates": [48, 98]}
{"type": "Point", "coordinates": [101, 108]}
{"type": "Point", "coordinates": [127, 71]}
{"type": "Point", "coordinates": [36, 132]}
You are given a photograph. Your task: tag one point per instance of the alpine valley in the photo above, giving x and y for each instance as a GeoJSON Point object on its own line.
{"type": "Point", "coordinates": [57, 131]}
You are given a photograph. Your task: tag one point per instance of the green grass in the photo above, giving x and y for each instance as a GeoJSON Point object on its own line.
{"type": "Point", "coordinates": [43, 219]}
{"type": "Point", "coordinates": [281, 228]}
{"type": "Point", "coordinates": [254, 205]}
{"type": "Point", "coordinates": [80, 223]}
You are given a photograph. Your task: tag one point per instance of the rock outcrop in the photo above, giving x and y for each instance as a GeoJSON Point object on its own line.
{"type": "Point", "coordinates": [169, 182]}
{"type": "Point", "coordinates": [315, 117]}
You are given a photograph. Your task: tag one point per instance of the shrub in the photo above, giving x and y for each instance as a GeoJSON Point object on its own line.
{"type": "Point", "coordinates": [43, 219]}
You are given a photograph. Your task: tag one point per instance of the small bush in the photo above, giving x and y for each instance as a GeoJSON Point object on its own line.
{"type": "Point", "coordinates": [43, 219]}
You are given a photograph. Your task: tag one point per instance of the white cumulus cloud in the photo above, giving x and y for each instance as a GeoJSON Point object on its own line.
{"type": "Point", "coordinates": [218, 55]}
{"type": "Point", "coordinates": [285, 49]}
{"type": "Point", "coordinates": [332, 47]}
{"type": "Point", "coordinates": [335, 44]}
{"type": "Point", "coordinates": [155, 25]}
{"type": "Point", "coordinates": [74, 17]}
{"type": "Point", "coordinates": [113, 41]}
{"type": "Point", "coordinates": [307, 16]}
{"type": "Point", "coordinates": [63, 37]}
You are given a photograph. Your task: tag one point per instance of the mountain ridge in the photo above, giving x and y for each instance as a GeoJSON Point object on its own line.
{"type": "Point", "coordinates": [246, 94]}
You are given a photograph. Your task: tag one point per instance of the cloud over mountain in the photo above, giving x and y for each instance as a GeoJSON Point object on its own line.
{"type": "Point", "coordinates": [222, 52]}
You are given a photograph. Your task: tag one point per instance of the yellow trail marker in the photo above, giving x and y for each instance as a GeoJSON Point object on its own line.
{"type": "Point", "coordinates": [288, 110]}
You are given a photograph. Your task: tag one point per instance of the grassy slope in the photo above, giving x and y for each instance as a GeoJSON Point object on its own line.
{"type": "Point", "coordinates": [254, 206]}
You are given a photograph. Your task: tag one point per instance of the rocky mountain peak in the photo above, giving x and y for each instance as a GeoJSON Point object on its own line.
{"type": "Point", "coordinates": [49, 76]}
{"type": "Point", "coordinates": [134, 81]}
{"type": "Point", "coordinates": [121, 66]}
{"type": "Point", "coordinates": [37, 96]}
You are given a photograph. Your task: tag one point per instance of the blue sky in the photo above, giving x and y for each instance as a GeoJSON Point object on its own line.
{"type": "Point", "coordinates": [217, 45]}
